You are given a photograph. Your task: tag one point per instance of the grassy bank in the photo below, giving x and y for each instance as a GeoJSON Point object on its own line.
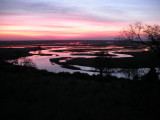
{"type": "Point", "coordinates": [140, 60]}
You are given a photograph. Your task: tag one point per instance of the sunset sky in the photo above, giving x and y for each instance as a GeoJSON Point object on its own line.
{"type": "Point", "coordinates": [72, 19]}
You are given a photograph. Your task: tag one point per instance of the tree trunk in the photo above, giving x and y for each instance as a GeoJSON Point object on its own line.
{"type": "Point", "coordinates": [101, 73]}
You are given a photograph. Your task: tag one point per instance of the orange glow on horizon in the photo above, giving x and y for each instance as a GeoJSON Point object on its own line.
{"type": "Point", "coordinates": [58, 29]}
{"type": "Point", "coordinates": [44, 36]}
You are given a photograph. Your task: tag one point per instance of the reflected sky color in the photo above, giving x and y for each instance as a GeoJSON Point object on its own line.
{"type": "Point", "coordinates": [72, 19]}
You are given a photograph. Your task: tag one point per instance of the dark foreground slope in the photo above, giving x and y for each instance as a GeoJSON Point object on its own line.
{"type": "Point", "coordinates": [30, 94]}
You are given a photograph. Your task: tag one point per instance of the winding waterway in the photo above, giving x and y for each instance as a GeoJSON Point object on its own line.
{"type": "Point", "coordinates": [41, 59]}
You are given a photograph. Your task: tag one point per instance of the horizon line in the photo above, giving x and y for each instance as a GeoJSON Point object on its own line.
{"type": "Point", "coordinates": [52, 40]}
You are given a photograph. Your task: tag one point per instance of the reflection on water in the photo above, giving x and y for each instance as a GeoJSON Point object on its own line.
{"type": "Point", "coordinates": [41, 59]}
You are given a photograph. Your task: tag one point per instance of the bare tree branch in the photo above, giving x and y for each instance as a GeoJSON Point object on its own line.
{"type": "Point", "coordinates": [148, 35]}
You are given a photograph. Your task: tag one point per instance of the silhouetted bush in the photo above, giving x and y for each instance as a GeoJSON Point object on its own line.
{"type": "Point", "coordinates": [102, 61]}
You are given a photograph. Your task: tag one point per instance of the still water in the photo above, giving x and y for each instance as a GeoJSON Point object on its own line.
{"type": "Point", "coordinates": [41, 59]}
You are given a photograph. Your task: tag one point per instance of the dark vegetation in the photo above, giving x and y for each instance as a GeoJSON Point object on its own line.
{"type": "Point", "coordinates": [13, 53]}
{"type": "Point", "coordinates": [31, 94]}
{"type": "Point", "coordinates": [28, 93]}
{"type": "Point", "coordinates": [140, 60]}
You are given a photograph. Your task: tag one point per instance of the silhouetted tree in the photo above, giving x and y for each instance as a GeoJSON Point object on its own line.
{"type": "Point", "coordinates": [151, 75]}
{"type": "Point", "coordinates": [39, 48]}
{"type": "Point", "coordinates": [102, 61]}
{"type": "Point", "coordinates": [148, 35]}
{"type": "Point", "coordinates": [27, 62]}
